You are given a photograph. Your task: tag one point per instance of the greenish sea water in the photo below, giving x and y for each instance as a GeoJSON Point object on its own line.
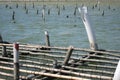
{"type": "Point", "coordinates": [64, 29]}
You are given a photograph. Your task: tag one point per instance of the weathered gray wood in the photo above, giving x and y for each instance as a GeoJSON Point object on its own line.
{"type": "Point", "coordinates": [47, 38]}
{"type": "Point", "coordinates": [16, 60]}
{"type": "Point", "coordinates": [6, 74]}
{"type": "Point", "coordinates": [88, 70]}
{"type": "Point", "coordinates": [4, 52]}
{"type": "Point", "coordinates": [63, 48]}
{"type": "Point", "coordinates": [100, 61]}
{"type": "Point", "coordinates": [68, 55]}
{"type": "Point", "coordinates": [70, 72]}
{"type": "Point", "coordinates": [1, 38]}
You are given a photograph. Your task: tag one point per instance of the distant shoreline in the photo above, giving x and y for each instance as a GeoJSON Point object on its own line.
{"type": "Point", "coordinates": [64, 1]}
{"type": "Point", "coordinates": [58, 0]}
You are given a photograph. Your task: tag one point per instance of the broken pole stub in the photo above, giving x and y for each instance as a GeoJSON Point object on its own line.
{"type": "Point", "coordinates": [47, 38]}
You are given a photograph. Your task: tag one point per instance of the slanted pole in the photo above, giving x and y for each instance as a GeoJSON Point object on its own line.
{"type": "Point", "coordinates": [68, 55]}
{"type": "Point", "coordinates": [117, 72]}
{"type": "Point", "coordinates": [88, 27]}
{"type": "Point", "coordinates": [16, 60]}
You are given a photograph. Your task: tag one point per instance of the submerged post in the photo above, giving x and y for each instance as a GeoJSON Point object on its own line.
{"type": "Point", "coordinates": [89, 29]}
{"type": "Point", "coordinates": [16, 60]}
{"type": "Point", "coordinates": [43, 14]}
{"type": "Point", "coordinates": [47, 38]}
{"type": "Point", "coordinates": [1, 40]}
{"type": "Point", "coordinates": [117, 72]}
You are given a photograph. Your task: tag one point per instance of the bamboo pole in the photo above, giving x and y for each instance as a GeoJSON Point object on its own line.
{"type": "Point", "coordinates": [64, 48]}
{"type": "Point", "coordinates": [96, 66]}
{"type": "Point", "coordinates": [70, 72]}
{"type": "Point", "coordinates": [6, 74]}
{"type": "Point", "coordinates": [100, 61]}
{"type": "Point", "coordinates": [105, 57]}
{"type": "Point", "coordinates": [44, 74]}
{"type": "Point", "coordinates": [88, 70]}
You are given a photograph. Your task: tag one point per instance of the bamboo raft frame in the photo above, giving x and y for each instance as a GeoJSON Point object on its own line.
{"type": "Point", "coordinates": [59, 62]}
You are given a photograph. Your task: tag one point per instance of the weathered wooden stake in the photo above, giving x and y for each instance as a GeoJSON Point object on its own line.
{"type": "Point", "coordinates": [47, 38]}
{"type": "Point", "coordinates": [6, 6]}
{"type": "Point", "coordinates": [43, 14]}
{"type": "Point", "coordinates": [68, 54]}
{"type": "Point", "coordinates": [37, 11]}
{"type": "Point", "coordinates": [26, 11]}
{"type": "Point", "coordinates": [75, 11]}
{"type": "Point", "coordinates": [48, 11]}
{"type": "Point", "coordinates": [59, 11]}
{"type": "Point", "coordinates": [33, 5]}
{"type": "Point", "coordinates": [103, 13]}
{"type": "Point", "coordinates": [63, 7]}
{"type": "Point", "coordinates": [4, 53]}
{"type": "Point", "coordinates": [16, 60]}
{"type": "Point", "coordinates": [25, 6]}
{"type": "Point", "coordinates": [17, 5]}
{"type": "Point", "coordinates": [13, 15]}
{"type": "Point", "coordinates": [1, 40]}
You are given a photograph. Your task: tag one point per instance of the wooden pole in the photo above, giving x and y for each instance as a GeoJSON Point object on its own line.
{"type": "Point", "coordinates": [43, 14]}
{"type": "Point", "coordinates": [68, 54]}
{"type": "Point", "coordinates": [1, 40]}
{"type": "Point", "coordinates": [16, 61]}
{"type": "Point", "coordinates": [47, 38]}
{"type": "Point", "coordinates": [4, 52]}
{"type": "Point", "coordinates": [88, 27]}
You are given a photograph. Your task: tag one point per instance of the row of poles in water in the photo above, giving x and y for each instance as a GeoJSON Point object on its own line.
{"type": "Point", "coordinates": [97, 5]}
{"type": "Point", "coordinates": [37, 11]}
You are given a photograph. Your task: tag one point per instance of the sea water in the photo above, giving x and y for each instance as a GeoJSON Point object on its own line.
{"type": "Point", "coordinates": [65, 28]}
